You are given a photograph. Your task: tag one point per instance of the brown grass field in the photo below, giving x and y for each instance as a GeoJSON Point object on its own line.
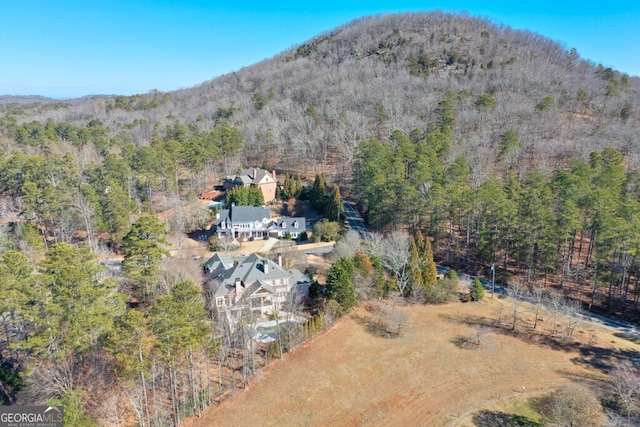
{"type": "Point", "coordinates": [431, 375]}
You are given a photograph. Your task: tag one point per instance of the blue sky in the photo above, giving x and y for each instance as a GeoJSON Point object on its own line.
{"type": "Point", "coordinates": [67, 48]}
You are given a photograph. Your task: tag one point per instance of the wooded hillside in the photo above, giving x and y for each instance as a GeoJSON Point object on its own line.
{"type": "Point", "coordinates": [416, 116]}
{"type": "Point", "coordinates": [310, 106]}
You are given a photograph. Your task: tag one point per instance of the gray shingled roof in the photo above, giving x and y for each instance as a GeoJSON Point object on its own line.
{"type": "Point", "coordinates": [251, 269]}
{"type": "Point", "coordinates": [298, 277]}
{"type": "Point", "coordinates": [245, 177]}
{"type": "Point", "coordinates": [239, 214]}
{"type": "Point", "coordinates": [218, 263]}
{"type": "Point", "coordinates": [291, 224]}
{"type": "Point", "coordinates": [251, 273]}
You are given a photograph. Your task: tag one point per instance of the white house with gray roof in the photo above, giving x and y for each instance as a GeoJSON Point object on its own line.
{"type": "Point", "coordinates": [288, 226]}
{"type": "Point", "coordinates": [243, 221]}
{"type": "Point", "coordinates": [254, 283]}
{"type": "Point", "coordinates": [255, 221]}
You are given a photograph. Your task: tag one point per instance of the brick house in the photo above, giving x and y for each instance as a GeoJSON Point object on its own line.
{"type": "Point", "coordinates": [265, 180]}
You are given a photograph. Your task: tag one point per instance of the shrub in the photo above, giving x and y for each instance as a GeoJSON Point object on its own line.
{"type": "Point", "coordinates": [547, 103]}
{"type": "Point", "coordinates": [442, 292]}
{"type": "Point", "coordinates": [452, 275]}
{"type": "Point", "coordinates": [477, 290]}
{"type": "Point", "coordinates": [486, 102]}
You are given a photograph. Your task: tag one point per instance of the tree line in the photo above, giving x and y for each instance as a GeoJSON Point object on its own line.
{"type": "Point", "coordinates": [578, 223]}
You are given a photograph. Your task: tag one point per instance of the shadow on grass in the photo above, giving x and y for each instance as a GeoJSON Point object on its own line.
{"type": "Point", "coordinates": [500, 419]}
{"type": "Point", "coordinates": [589, 354]}
{"type": "Point", "coordinates": [604, 359]}
{"type": "Point", "coordinates": [466, 319]}
{"type": "Point", "coordinates": [377, 329]}
{"type": "Point", "coordinates": [631, 338]}
{"type": "Point", "coordinates": [467, 343]}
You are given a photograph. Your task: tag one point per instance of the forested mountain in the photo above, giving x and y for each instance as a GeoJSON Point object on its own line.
{"type": "Point", "coordinates": [315, 102]}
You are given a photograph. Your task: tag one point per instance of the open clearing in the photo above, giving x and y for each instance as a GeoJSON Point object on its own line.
{"type": "Point", "coordinates": [430, 376]}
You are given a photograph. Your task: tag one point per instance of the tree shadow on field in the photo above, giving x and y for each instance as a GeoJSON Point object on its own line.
{"type": "Point", "coordinates": [627, 337]}
{"type": "Point", "coordinates": [501, 419]}
{"type": "Point", "coordinates": [527, 335]}
{"type": "Point", "coordinates": [377, 328]}
{"type": "Point", "coordinates": [604, 359]}
{"type": "Point", "coordinates": [466, 343]}
{"type": "Point", "coordinates": [589, 354]}
{"type": "Point", "coordinates": [466, 319]}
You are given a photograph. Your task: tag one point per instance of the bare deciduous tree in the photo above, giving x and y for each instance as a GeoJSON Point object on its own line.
{"type": "Point", "coordinates": [537, 298]}
{"type": "Point", "coordinates": [554, 303]}
{"type": "Point", "coordinates": [517, 292]}
{"type": "Point", "coordinates": [573, 405]}
{"type": "Point", "coordinates": [347, 246]}
{"type": "Point", "coordinates": [481, 331]}
{"type": "Point", "coordinates": [625, 387]}
{"type": "Point", "coordinates": [393, 251]}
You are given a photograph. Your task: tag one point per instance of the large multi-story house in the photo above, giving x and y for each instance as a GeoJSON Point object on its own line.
{"type": "Point", "coordinates": [254, 283]}
{"type": "Point", "coordinates": [243, 221]}
{"type": "Point", "coordinates": [263, 179]}
{"type": "Point", "coordinates": [255, 222]}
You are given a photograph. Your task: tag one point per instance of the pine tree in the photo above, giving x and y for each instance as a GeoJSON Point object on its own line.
{"type": "Point", "coordinates": [319, 191]}
{"type": "Point", "coordinates": [477, 290]}
{"type": "Point", "coordinates": [143, 248]}
{"type": "Point", "coordinates": [429, 272]}
{"type": "Point", "coordinates": [340, 285]}
{"type": "Point", "coordinates": [77, 303]}
{"type": "Point", "coordinates": [416, 267]}
{"type": "Point", "coordinates": [334, 207]}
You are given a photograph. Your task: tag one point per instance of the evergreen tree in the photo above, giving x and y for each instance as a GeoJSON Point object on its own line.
{"type": "Point", "coordinates": [77, 303]}
{"type": "Point", "coordinates": [319, 191]}
{"type": "Point", "coordinates": [477, 290]}
{"type": "Point", "coordinates": [116, 208]}
{"type": "Point", "coordinates": [429, 272]}
{"type": "Point", "coordinates": [416, 267]}
{"type": "Point", "coordinates": [143, 248]}
{"type": "Point", "coordinates": [340, 285]}
{"type": "Point", "coordinates": [334, 208]}
{"type": "Point", "coordinates": [245, 196]}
